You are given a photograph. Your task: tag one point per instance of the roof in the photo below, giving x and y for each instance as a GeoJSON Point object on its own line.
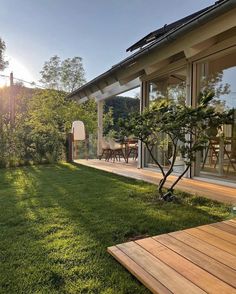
{"type": "Point", "coordinates": [155, 35]}
{"type": "Point", "coordinates": [164, 36]}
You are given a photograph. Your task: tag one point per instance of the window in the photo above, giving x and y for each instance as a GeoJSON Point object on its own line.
{"type": "Point", "coordinates": [219, 156]}
{"type": "Point", "coordinates": [169, 87]}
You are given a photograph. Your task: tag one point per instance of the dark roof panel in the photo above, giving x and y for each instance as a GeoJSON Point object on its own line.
{"type": "Point", "coordinates": [167, 28]}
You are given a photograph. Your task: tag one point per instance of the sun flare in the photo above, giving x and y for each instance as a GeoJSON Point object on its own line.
{"type": "Point", "coordinates": [19, 70]}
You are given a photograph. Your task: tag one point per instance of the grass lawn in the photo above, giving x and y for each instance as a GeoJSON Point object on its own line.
{"type": "Point", "coordinates": [56, 222]}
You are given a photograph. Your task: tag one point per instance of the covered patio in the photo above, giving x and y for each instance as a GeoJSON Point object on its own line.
{"type": "Point", "coordinates": [177, 62]}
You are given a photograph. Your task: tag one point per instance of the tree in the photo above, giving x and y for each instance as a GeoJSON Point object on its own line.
{"type": "Point", "coordinates": [72, 74]}
{"type": "Point", "coordinates": [120, 107]}
{"type": "Point", "coordinates": [43, 120]}
{"type": "Point", "coordinates": [49, 118]}
{"type": "Point", "coordinates": [187, 129]}
{"type": "Point", "coordinates": [66, 75]}
{"type": "Point", "coordinates": [3, 62]}
{"type": "Point", "coordinates": [43, 117]}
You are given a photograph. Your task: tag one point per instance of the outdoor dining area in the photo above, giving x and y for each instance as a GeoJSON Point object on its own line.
{"type": "Point", "coordinates": [115, 150]}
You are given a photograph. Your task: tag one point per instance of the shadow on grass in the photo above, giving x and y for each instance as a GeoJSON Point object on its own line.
{"type": "Point", "coordinates": [114, 208]}
{"type": "Point", "coordinates": [68, 214]}
{"type": "Point", "coordinates": [24, 262]}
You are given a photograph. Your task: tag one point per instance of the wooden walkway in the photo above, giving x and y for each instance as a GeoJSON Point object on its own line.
{"type": "Point", "coordinates": [197, 260]}
{"type": "Point", "coordinates": [220, 192]}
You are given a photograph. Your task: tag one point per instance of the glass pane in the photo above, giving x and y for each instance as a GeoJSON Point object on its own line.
{"type": "Point", "coordinates": [170, 87]}
{"type": "Point", "coordinates": [219, 156]}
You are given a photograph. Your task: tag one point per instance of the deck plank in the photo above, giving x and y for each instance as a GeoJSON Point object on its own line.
{"type": "Point", "coordinates": [232, 220]}
{"type": "Point", "coordinates": [143, 276]}
{"type": "Point", "coordinates": [230, 223]}
{"type": "Point", "coordinates": [225, 227]}
{"type": "Point", "coordinates": [207, 263]}
{"type": "Point", "coordinates": [206, 248]}
{"type": "Point", "coordinates": [175, 282]}
{"type": "Point", "coordinates": [197, 260]}
{"type": "Point", "coordinates": [213, 240]}
{"type": "Point", "coordinates": [187, 269]}
{"type": "Point", "coordinates": [219, 233]}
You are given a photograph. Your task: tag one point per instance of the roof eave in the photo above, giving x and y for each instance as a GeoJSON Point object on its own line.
{"type": "Point", "coordinates": [221, 7]}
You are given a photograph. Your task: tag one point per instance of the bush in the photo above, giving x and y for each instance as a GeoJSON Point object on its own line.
{"type": "Point", "coordinates": [39, 132]}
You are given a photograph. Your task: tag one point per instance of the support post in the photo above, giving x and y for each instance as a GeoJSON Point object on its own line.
{"type": "Point", "coordinates": [143, 104]}
{"type": "Point", "coordinates": [100, 127]}
{"type": "Point", "coordinates": [189, 102]}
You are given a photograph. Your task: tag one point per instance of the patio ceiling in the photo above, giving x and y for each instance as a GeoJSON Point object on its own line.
{"type": "Point", "coordinates": [106, 92]}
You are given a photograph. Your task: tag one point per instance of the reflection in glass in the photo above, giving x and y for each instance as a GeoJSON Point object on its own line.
{"type": "Point", "coordinates": [169, 87]}
{"type": "Point", "coordinates": [219, 156]}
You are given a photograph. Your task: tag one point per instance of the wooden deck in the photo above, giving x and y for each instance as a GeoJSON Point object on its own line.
{"type": "Point", "coordinates": [197, 260]}
{"type": "Point", "coordinates": [220, 192]}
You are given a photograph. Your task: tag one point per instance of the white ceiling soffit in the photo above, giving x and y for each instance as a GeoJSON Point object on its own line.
{"type": "Point", "coordinates": [116, 89]}
{"type": "Point", "coordinates": [111, 91]}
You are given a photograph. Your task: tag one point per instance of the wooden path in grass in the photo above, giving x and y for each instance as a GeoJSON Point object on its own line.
{"type": "Point", "coordinates": [197, 260]}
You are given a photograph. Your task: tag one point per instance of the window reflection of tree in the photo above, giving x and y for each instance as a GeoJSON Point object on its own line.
{"type": "Point", "coordinates": [169, 88]}
{"type": "Point", "coordinates": [214, 82]}
{"type": "Point", "coordinates": [173, 88]}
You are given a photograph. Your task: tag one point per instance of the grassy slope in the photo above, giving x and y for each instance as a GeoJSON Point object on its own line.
{"type": "Point", "coordinates": [57, 221]}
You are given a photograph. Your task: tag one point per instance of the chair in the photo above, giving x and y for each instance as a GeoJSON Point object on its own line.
{"type": "Point", "coordinates": [230, 153]}
{"type": "Point", "coordinates": [214, 150]}
{"type": "Point", "coordinates": [133, 150]}
{"type": "Point", "coordinates": [231, 163]}
{"type": "Point", "coordinates": [116, 150]}
{"type": "Point", "coordinates": [106, 150]}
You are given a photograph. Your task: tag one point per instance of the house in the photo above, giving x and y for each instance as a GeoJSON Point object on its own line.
{"type": "Point", "coordinates": [178, 61]}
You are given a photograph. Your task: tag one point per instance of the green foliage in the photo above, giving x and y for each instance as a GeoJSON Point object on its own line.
{"type": "Point", "coordinates": [121, 107]}
{"type": "Point", "coordinates": [44, 128]}
{"type": "Point", "coordinates": [87, 112]}
{"type": "Point", "coordinates": [11, 144]}
{"type": "Point", "coordinates": [64, 75]}
{"type": "Point", "coordinates": [187, 129]}
{"type": "Point", "coordinates": [41, 127]}
{"type": "Point", "coordinates": [43, 117]}
{"type": "Point", "coordinates": [214, 83]}
{"type": "Point", "coordinates": [57, 221]}
{"type": "Point", "coordinates": [108, 121]}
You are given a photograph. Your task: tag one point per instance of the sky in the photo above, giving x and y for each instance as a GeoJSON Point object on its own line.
{"type": "Point", "coordinates": [99, 31]}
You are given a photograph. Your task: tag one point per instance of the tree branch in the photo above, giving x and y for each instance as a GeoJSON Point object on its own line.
{"type": "Point", "coordinates": [179, 178]}
{"type": "Point", "coordinates": [154, 159]}
{"type": "Point", "coordinates": [173, 159]}
{"type": "Point", "coordinates": [163, 181]}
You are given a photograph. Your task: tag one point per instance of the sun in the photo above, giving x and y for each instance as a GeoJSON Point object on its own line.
{"type": "Point", "coordinates": [19, 70]}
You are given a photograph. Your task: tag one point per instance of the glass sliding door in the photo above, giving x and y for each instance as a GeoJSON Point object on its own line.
{"type": "Point", "coordinates": [218, 160]}
{"type": "Point", "coordinates": [168, 87]}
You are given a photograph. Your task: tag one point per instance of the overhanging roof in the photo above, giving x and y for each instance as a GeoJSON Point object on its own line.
{"type": "Point", "coordinates": [98, 86]}
{"type": "Point", "coordinates": [155, 35]}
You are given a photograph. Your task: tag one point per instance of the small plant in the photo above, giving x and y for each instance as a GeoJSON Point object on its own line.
{"type": "Point", "coordinates": [187, 129]}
